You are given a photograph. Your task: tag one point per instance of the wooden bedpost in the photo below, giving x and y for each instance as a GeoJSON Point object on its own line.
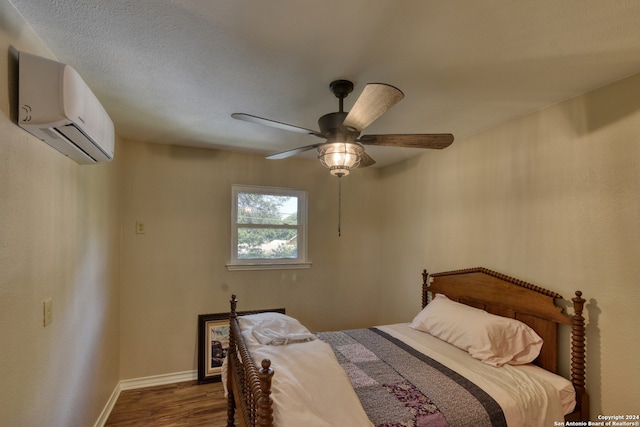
{"type": "Point", "coordinates": [264, 410]}
{"type": "Point", "coordinates": [234, 304]}
{"type": "Point", "coordinates": [578, 356]}
{"type": "Point", "coordinates": [231, 402]}
{"type": "Point", "coordinates": [425, 287]}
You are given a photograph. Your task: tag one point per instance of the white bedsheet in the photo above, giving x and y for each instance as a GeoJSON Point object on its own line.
{"type": "Point", "coordinates": [310, 383]}
{"type": "Point", "coordinates": [528, 395]}
{"type": "Point", "coordinates": [316, 392]}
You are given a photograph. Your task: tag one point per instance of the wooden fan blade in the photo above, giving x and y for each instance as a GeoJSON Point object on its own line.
{"type": "Point", "coordinates": [374, 101]}
{"type": "Point", "coordinates": [366, 160]}
{"type": "Point", "coordinates": [289, 153]}
{"type": "Point", "coordinates": [433, 140]}
{"type": "Point", "coordinates": [274, 124]}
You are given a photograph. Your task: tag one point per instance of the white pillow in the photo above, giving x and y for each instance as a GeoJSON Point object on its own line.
{"type": "Point", "coordinates": [494, 340]}
{"type": "Point", "coordinates": [275, 328]}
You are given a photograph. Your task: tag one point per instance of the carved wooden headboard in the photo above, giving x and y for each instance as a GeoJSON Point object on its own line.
{"type": "Point", "coordinates": [535, 306]}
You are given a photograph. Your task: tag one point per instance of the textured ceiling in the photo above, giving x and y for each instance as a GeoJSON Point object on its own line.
{"type": "Point", "coordinates": [174, 71]}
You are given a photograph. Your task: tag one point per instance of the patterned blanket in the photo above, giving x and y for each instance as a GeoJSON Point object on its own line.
{"type": "Point", "coordinates": [401, 387]}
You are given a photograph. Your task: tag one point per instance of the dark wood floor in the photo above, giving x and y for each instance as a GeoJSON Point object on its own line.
{"type": "Point", "coordinates": [172, 405]}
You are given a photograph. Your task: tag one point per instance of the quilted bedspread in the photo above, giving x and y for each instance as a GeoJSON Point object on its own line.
{"type": "Point", "coordinates": [401, 387]}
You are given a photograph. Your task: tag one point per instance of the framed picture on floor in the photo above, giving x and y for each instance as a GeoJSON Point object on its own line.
{"type": "Point", "coordinates": [213, 342]}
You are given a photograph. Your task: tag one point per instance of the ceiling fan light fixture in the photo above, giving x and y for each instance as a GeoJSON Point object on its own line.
{"type": "Point", "coordinates": [340, 157]}
{"type": "Point", "coordinates": [343, 147]}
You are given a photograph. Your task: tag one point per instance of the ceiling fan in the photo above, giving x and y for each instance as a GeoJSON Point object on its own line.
{"type": "Point", "coordinates": [343, 148]}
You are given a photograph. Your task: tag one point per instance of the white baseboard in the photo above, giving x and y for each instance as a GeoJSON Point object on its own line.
{"type": "Point", "coordinates": [104, 415]}
{"type": "Point", "coordinates": [176, 377]}
{"type": "Point", "coordinates": [143, 382]}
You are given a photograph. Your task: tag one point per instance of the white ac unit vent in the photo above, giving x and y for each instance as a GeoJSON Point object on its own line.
{"type": "Point", "coordinates": [58, 107]}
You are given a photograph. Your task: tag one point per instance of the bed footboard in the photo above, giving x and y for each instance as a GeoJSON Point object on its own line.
{"type": "Point", "coordinates": [249, 388]}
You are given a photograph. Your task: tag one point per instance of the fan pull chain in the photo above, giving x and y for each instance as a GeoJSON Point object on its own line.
{"type": "Point", "coordinates": [339, 204]}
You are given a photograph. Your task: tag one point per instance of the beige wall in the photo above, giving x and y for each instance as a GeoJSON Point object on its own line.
{"type": "Point", "coordinates": [552, 198]}
{"type": "Point", "coordinates": [176, 270]}
{"type": "Point", "coordinates": [59, 239]}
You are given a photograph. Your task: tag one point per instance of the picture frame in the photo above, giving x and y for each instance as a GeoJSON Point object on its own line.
{"type": "Point", "coordinates": [213, 342]}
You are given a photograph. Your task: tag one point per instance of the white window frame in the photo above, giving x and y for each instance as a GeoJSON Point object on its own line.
{"type": "Point", "coordinates": [269, 264]}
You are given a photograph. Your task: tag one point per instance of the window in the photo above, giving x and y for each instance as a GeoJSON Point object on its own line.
{"type": "Point", "coordinates": [268, 228]}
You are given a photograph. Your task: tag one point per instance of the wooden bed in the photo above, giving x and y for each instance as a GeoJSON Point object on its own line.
{"type": "Point", "coordinates": [249, 386]}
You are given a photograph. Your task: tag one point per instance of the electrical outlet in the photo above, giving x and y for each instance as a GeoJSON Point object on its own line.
{"type": "Point", "coordinates": [140, 229]}
{"type": "Point", "coordinates": [48, 312]}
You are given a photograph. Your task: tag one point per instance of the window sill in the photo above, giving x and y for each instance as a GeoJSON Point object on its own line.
{"type": "Point", "coordinates": [269, 266]}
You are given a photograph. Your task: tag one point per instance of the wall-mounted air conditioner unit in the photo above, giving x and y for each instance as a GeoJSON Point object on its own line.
{"type": "Point", "coordinates": [58, 107]}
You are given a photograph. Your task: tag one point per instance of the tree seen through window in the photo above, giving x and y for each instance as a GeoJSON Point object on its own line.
{"type": "Point", "coordinates": [267, 226]}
